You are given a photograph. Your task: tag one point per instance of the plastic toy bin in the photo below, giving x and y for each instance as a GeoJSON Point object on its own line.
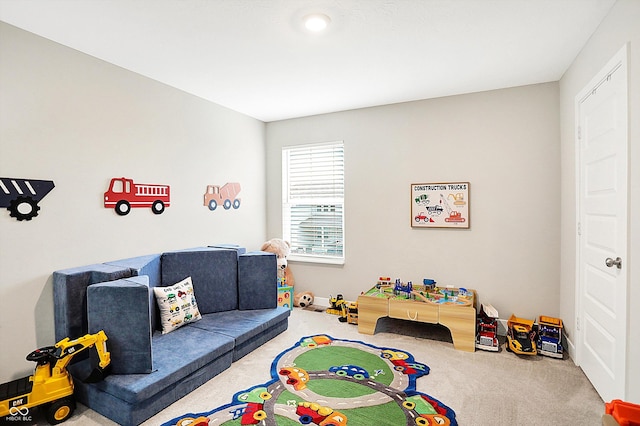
{"type": "Point", "coordinates": [285, 297]}
{"type": "Point", "coordinates": [625, 413]}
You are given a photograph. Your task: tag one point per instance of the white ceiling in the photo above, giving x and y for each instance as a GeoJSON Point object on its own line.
{"type": "Point", "coordinates": [253, 56]}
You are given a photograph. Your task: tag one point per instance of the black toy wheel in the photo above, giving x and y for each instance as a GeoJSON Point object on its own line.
{"type": "Point", "coordinates": [226, 204]}
{"type": "Point", "coordinates": [236, 204]}
{"type": "Point", "coordinates": [23, 208]}
{"type": "Point", "coordinates": [123, 208]}
{"type": "Point", "coordinates": [305, 419]}
{"type": "Point", "coordinates": [60, 410]}
{"type": "Point", "coordinates": [157, 207]}
{"type": "Point", "coordinates": [212, 205]}
{"type": "Point", "coordinates": [409, 405]}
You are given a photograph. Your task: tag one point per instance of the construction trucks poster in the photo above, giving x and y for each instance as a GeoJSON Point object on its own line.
{"type": "Point", "coordinates": [440, 205]}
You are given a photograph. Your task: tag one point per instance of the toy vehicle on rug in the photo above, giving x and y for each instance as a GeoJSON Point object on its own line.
{"type": "Point", "coordinates": [254, 412]}
{"type": "Point", "coordinates": [428, 415]}
{"type": "Point", "coordinates": [520, 336]}
{"type": "Point", "coordinates": [311, 412]}
{"type": "Point", "coordinates": [550, 337]}
{"type": "Point", "coordinates": [487, 329]}
{"type": "Point", "coordinates": [349, 370]}
{"type": "Point", "coordinates": [51, 386]}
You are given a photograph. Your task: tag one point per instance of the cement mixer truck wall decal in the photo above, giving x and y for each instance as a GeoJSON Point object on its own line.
{"type": "Point", "coordinates": [21, 196]}
{"type": "Point", "coordinates": [225, 196]}
{"type": "Point", "coordinates": [124, 194]}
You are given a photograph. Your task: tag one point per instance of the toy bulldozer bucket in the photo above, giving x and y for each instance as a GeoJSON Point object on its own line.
{"type": "Point", "coordinates": [97, 374]}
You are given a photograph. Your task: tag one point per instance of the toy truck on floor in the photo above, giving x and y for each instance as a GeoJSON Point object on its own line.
{"type": "Point", "coordinates": [550, 337]}
{"type": "Point", "coordinates": [227, 195]}
{"type": "Point", "coordinates": [487, 329]}
{"type": "Point", "coordinates": [21, 196]}
{"type": "Point", "coordinates": [51, 386]}
{"type": "Point", "coordinates": [520, 336]}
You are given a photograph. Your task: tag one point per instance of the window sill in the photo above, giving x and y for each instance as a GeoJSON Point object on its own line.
{"type": "Point", "coordinates": [315, 259]}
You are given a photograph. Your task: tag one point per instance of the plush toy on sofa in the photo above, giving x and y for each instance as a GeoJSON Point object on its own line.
{"type": "Point", "coordinates": [281, 249]}
{"type": "Point", "coordinates": [303, 299]}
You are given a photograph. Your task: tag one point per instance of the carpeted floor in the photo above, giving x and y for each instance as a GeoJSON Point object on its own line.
{"type": "Point", "coordinates": [483, 388]}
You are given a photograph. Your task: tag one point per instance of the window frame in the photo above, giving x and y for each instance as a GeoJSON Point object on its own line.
{"type": "Point", "coordinates": [311, 201]}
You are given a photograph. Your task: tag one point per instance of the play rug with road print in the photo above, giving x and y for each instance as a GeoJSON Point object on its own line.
{"type": "Point", "coordinates": [334, 382]}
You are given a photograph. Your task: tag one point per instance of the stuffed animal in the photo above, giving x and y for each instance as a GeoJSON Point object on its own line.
{"type": "Point", "coordinates": [281, 249]}
{"type": "Point", "coordinates": [303, 299]}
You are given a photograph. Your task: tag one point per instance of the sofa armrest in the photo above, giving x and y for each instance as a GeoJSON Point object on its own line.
{"type": "Point", "coordinates": [121, 308]}
{"type": "Point", "coordinates": [257, 280]}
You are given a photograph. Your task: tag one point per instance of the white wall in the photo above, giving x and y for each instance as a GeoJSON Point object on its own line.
{"type": "Point", "coordinates": [504, 142]}
{"type": "Point", "coordinates": [619, 27]}
{"type": "Point", "coordinates": [78, 121]}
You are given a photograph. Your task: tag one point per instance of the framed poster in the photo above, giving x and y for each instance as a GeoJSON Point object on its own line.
{"type": "Point", "coordinates": [440, 205]}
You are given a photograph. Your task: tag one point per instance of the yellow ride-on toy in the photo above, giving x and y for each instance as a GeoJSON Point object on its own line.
{"type": "Point", "coordinates": [51, 385]}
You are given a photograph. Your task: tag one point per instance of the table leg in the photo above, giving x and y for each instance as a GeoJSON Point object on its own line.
{"type": "Point", "coordinates": [461, 322]}
{"type": "Point", "coordinates": [371, 309]}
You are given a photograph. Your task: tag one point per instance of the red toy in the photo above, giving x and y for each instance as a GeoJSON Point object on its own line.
{"type": "Point", "coordinates": [625, 413]}
{"type": "Point", "coordinates": [487, 329]}
{"type": "Point", "coordinates": [123, 194]}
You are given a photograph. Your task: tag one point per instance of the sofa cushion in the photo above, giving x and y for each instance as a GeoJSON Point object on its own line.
{"type": "Point", "coordinates": [257, 280]}
{"type": "Point", "coordinates": [175, 356]}
{"type": "Point", "coordinates": [148, 265]}
{"type": "Point", "coordinates": [214, 273]}
{"type": "Point", "coordinates": [242, 325]}
{"type": "Point", "coordinates": [177, 305]}
{"type": "Point", "coordinates": [70, 296]}
{"type": "Point", "coordinates": [121, 309]}
{"type": "Point", "coordinates": [239, 249]}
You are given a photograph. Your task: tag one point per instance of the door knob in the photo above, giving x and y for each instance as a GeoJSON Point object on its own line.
{"type": "Point", "coordinates": [611, 263]}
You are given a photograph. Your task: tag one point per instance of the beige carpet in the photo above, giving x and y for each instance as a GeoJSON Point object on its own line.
{"type": "Point", "coordinates": [483, 388]}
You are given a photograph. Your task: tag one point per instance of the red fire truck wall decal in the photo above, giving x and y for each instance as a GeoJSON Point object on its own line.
{"type": "Point", "coordinates": [21, 196]}
{"type": "Point", "coordinates": [225, 195]}
{"type": "Point", "coordinates": [124, 194]}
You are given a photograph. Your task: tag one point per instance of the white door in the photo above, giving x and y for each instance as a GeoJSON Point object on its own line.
{"type": "Point", "coordinates": [602, 241]}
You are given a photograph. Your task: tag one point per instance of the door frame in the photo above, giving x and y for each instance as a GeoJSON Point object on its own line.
{"type": "Point", "coordinates": [619, 60]}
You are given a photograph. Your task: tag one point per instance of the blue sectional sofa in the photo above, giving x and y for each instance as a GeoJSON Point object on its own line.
{"type": "Point", "coordinates": [236, 294]}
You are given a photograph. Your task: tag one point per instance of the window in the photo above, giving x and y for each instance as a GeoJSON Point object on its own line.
{"type": "Point", "coordinates": [313, 201]}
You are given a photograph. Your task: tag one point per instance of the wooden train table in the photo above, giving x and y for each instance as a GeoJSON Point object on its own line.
{"type": "Point", "coordinates": [451, 307]}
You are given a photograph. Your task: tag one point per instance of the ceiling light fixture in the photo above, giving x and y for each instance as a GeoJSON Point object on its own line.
{"type": "Point", "coordinates": [316, 22]}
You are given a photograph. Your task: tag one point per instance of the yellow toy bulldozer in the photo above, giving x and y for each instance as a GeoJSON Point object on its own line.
{"type": "Point", "coordinates": [51, 386]}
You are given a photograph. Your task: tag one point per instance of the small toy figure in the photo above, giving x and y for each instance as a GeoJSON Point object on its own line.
{"type": "Point", "coordinates": [383, 282]}
{"type": "Point", "coordinates": [429, 284]}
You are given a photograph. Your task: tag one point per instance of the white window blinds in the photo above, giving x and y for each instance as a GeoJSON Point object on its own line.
{"type": "Point", "coordinates": [313, 201]}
